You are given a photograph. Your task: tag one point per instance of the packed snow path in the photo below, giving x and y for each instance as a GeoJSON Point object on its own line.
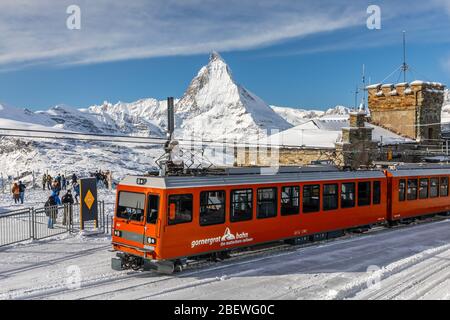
{"type": "Point", "coordinates": [410, 262]}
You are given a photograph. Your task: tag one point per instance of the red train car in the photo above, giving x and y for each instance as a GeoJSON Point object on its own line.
{"type": "Point", "coordinates": [415, 191]}
{"type": "Point", "coordinates": [160, 221]}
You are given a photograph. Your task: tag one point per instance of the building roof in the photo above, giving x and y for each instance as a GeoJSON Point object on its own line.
{"type": "Point", "coordinates": [325, 132]}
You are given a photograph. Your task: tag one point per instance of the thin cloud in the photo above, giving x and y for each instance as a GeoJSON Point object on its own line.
{"type": "Point", "coordinates": [34, 32]}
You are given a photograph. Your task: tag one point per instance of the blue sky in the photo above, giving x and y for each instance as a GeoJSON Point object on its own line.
{"type": "Point", "coordinates": [291, 53]}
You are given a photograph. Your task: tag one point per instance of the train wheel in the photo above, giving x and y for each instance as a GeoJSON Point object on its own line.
{"type": "Point", "coordinates": [178, 266]}
{"type": "Point", "coordinates": [223, 255]}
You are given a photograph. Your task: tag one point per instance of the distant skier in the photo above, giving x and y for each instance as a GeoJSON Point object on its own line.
{"type": "Point", "coordinates": [22, 188]}
{"type": "Point", "coordinates": [16, 192]}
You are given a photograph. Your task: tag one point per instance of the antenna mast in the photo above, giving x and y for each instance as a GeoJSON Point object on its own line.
{"type": "Point", "coordinates": [405, 66]}
{"type": "Point", "coordinates": [363, 103]}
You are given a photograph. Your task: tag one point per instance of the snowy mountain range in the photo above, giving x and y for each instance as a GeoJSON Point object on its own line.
{"type": "Point", "coordinates": [213, 107]}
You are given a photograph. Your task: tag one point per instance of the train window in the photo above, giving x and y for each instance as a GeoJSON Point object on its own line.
{"type": "Point", "coordinates": [330, 196]}
{"type": "Point", "coordinates": [153, 208]}
{"type": "Point", "coordinates": [212, 207]}
{"type": "Point", "coordinates": [311, 198]}
{"type": "Point", "coordinates": [444, 187]}
{"type": "Point", "coordinates": [363, 194]}
{"type": "Point", "coordinates": [412, 189]}
{"type": "Point", "coordinates": [290, 201]}
{"type": "Point", "coordinates": [402, 190]}
{"type": "Point", "coordinates": [241, 205]}
{"type": "Point", "coordinates": [434, 188]}
{"type": "Point", "coordinates": [131, 206]}
{"type": "Point", "coordinates": [423, 189]}
{"type": "Point", "coordinates": [183, 208]}
{"type": "Point", "coordinates": [267, 203]}
{"type": "Point", "coordinates": [376, 192]}
{"type": "Point", "coordinates": [348, 195]}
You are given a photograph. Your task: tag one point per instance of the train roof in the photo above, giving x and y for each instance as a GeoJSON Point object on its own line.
{"type": "Point", "coordinates": [174, 182]}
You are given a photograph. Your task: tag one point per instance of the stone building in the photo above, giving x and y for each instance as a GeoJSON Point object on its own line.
{"type": "Point", "coordinates": [404, 125]}
{"type": "Point", "coordinates": [411, 109]}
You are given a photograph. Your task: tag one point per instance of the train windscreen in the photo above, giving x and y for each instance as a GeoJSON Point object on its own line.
{"type": "Point", "coordinates": [131, 206]}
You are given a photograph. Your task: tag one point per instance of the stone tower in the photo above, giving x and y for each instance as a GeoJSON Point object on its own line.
{"type": "Point", "coordinates": [411, 109]}
{"type": "Point", "coordinates": [357, 147]}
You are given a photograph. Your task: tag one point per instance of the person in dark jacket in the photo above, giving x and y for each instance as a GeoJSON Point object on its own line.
{"type": "Point", "coordinates": [22, 188]}
{"type": "Point", "coordinates": [76, 189]}
{"type": "Point", "coordinates": [67, 201]}
{"type": "Point", "coordinates": [63, 182]}
{"type": "Point", "coordinates": [51, 209]}
{"type": "Point", "coordinates": [74, 179]}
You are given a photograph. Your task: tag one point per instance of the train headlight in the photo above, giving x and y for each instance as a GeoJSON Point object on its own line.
{"type": "Point", "coordinates": [151, 240]}
{"type": "Point", "coordinates": [117, 233]}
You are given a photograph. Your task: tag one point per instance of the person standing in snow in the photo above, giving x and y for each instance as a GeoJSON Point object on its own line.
{"type": "Point", "coordinates": [63, 182]}
{"type": "Point", "coordinates": [67, 200]}
{"type": "Point", "coordinates": [16, 192]}
{"type": "Point", "coordinates": [74, 179]}
{"type": "Point", "coordinates": [76, 189]}
{"type": "Point", "coordinates": [22, 188]}
{"type": "Point", "coordinates": [51, 209]}
{"type": "Point", "coordinates": [44, 181]}
{"type": "Point", "coordinates": [49, 182]}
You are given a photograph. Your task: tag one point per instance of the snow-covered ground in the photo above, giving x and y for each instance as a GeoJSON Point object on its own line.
{"type": "Point", "coordinates": [410, 262]}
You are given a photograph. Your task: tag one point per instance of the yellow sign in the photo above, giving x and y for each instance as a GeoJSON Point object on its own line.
{"type": "Point", "coordinates": [89, 199]}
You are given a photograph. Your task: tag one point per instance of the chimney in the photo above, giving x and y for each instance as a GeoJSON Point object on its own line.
{"type": "Point", "coordinates": [357, 119]}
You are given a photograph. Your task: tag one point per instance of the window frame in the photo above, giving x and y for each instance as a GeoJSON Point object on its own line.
{"type": "Point", "coordinates": [148, 207]}
{"type": "Point", "coordinates": [408, 188]}
{"type": "Point", "coordinates": [232, 202]}
{"type": "Point", "coordinates": [368, 196]}
{"type": "Point", "coordinates": [402, 192]}
{"type": "Point", "coordinates": [224, 204]}
{"type": "Point", "coordinates": [291, 200]}
{"type": "Point", "coordinates": [170, 222]}
{"type": "Point", "coordinates": [144, 209]}
{"type": "Point", "coordinates": [348, 193]}
{"type": "Point", "coordinates": [335, 195]}
{"type": "Point", "coordinates": [421, 197]}
{"type": "Point", "coordinates": [274, 202]}
{"type": "Point", "coordinates": [376, 193]}
{"type": "Point", "coordinates": [440, 186]}
{"type": "Point", "coordinates": [311, 187]}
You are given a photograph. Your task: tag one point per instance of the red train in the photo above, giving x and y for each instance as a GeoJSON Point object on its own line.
{"type": "Point", "coordinates": [162, 221]}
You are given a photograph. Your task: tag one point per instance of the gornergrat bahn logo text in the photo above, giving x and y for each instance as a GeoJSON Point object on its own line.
{"type": "Point", "coordinates": [228, 238]}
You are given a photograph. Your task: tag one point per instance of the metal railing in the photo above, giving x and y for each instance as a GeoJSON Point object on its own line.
{"type": "Point", "coordinates": [35, 224]}
{"type": "Point", "coordinates": [16, 226]}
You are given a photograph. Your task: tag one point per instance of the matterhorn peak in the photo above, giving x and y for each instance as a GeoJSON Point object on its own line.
{"type": "Point", "coordinates": [214, 56]}
{"type": "Point", "coordinates": [214, 105]}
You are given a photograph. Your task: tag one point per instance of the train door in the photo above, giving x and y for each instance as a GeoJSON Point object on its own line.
{"type": "Point", "coordinates": [152, 221]}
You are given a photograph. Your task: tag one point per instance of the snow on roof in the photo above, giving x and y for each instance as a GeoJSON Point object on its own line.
{"type": "Point", "coordinates": [373, 86]}
{"type": "Point", "coordinates": [324, 133]}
